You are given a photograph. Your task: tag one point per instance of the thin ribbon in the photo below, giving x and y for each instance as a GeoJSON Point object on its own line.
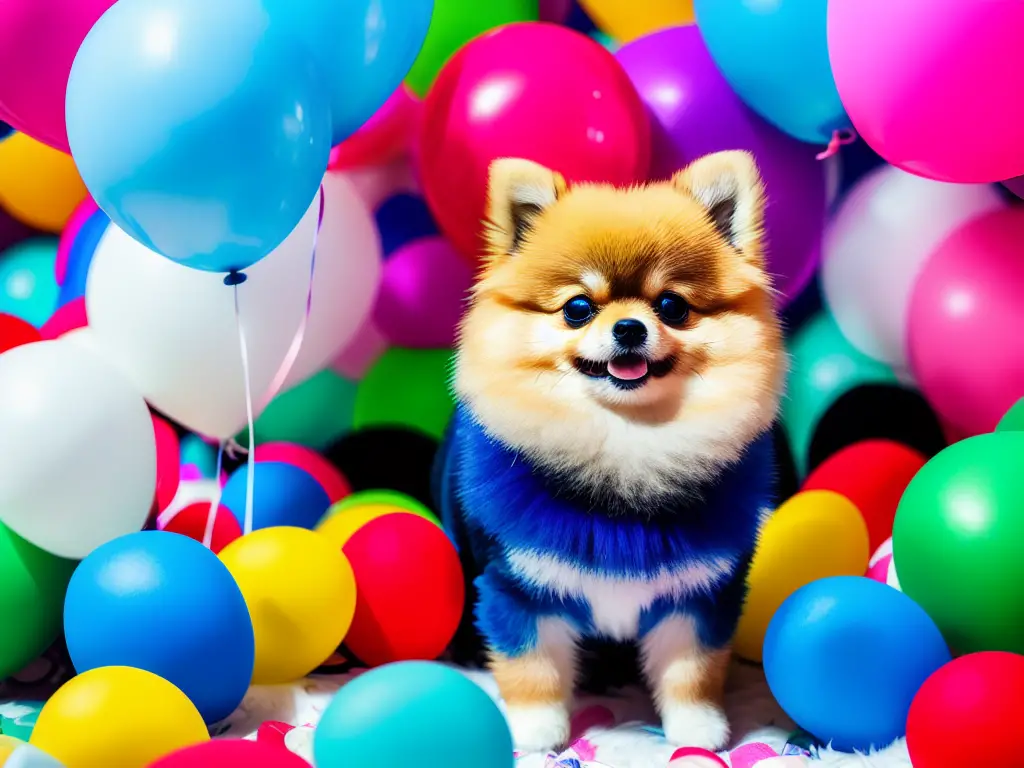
{"type": "Point", "coordinates": [211, 517]}
{"type": "Point", "coordinates": [276, 383]}
{"type": "Point", "coordinates": [839, 139]}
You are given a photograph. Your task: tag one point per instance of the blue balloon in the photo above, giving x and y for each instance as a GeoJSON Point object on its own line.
{"type": "Point", "coordinates": [283, 494]}
{"type": "Point", "coordinates": [163, 602]}
{"type": "Point", "coordinates": [844, 657]}
{"type": "Point", "coordinates": [775, 56]}
{"type": "Point", "coordinates": [200, 127]}
{"type": "Point", "coordinates": [5, 131]}
{"type": "Point", "coordinates": [413, 708]}
{"type": "Point", "coordinates": [401, 219]}
{"type": "Point", "coordinates": [28, 283]}
{"type": "Point", "coordinates": [80, 257]}
{"type": "Point", "coordinates": [365, 49]}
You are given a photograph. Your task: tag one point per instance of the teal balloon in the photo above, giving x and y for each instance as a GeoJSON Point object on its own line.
{"type": "Point", "coordinates": [364, 48]}
{"type": "Point", "coordinates": [201, 127]}
{"type": "Point", "coordinates": [200, 454]}
{"type": "Point", "coordinates": [28, 286]}
{"type": "Point", "coordinates": [417, 711]}
{"type": "Point", "coordinates": [774, 53]}
{"type": "Point", "coordinates": [823, 367]}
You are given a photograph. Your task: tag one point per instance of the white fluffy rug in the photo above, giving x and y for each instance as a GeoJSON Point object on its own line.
{"type": "Point", "coordinates": [629, 744]}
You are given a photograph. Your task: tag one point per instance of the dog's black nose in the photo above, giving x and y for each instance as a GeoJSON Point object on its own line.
{"type": "Point", "coordinates": [630, 333]}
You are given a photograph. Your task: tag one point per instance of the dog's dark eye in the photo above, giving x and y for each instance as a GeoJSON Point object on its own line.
{"type": "Point", "coordinates": [579, 311]}
{"type": "Point", "coordinates": [672, 308]}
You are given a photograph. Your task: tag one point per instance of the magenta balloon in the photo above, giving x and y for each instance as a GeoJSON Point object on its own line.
{"type": "Point", "coordinates": [964, 337]}
{"type": "Point", "coordinates": [422, 294]}
{"type": "Point", "coordinates": [1015, 185]}
{"type": "Point", "coordinates": [555, 11]}
{"type": "Point", "coordinates": [695, 112]}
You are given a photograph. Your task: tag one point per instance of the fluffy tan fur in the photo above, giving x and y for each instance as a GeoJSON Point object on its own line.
{"type": "Point", "coordinates": [622, 247]}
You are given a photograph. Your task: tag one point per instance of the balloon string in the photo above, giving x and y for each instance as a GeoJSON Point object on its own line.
{"type": "Point", "coordinates": [839, 139]}
{"type": "Point", "coordinates": [250, 474]}
{"type": "Point", "coordinates": [293, 351]}
{"type": "Point", "coordinates": [211, 517]}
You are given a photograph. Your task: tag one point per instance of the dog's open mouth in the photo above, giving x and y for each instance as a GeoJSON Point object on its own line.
{"type": "Point", "coordinates": [629, 371]}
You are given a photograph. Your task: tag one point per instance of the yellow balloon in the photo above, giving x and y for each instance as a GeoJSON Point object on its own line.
{"type": "Point", "coordinates": [39, 185]}
{"type": "Point", "coordinates": [340, 527]}
{"type": "Point", "coordinates": [812, 535]}
{"type": "Point", "coordinates": [301, 594]}
{"type": "Point", "coordinates": [7, 745]}
{"type": "Point", "coordinates": [627, 20]}
{"type": "Point", "coordinates": [116, 716]}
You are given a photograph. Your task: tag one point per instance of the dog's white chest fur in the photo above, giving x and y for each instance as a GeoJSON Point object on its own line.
{"type": "Point", "coordinates": [615, 603]}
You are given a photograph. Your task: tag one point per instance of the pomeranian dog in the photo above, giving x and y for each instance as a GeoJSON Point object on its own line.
{"type": "Point", "coordinates": [610, 461]}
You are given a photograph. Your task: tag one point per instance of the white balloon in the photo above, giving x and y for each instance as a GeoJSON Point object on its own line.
{"type": "Point", "coordinates": [878, 241]}
{"type": "Point", "coordinates": [348, 267]}
{"type": "Point", "coordinates": [174, 329]}
{"type": "Point", "coordinates": [77, 450]}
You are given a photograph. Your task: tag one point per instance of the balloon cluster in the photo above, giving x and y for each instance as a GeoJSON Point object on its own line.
{"type": "Point", "coordinates": [338, 154]}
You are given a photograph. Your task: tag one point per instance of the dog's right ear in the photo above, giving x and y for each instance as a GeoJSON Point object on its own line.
{"type": "Point", "coordinates": [518, 191]}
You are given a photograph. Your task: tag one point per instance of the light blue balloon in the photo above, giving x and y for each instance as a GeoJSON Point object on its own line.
{"type": "Point", "coordinates": [364, 47]}
{"type": "Point", "coordinates": [202, 128]}
{"type": "Point", "coordinates": [774, 53]}
{"type": "Point", "coordinates": [28, 283]}
{"type": "Point", "coordinates": [419, 711]}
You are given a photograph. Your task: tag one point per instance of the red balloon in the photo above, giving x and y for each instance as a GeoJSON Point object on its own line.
{"type": "Point", "coordinates": [873, 475]}
{"type": "Point", "coordinates": [968, 713]}
{"type": "Point", "coordinates": [231, 753]}
{"type": "Point", "coordinates": [168, 463]}
{"type": "Point", "coordinates": [409, 590]}
{"type": "Point", "coordinates": [14, 332]}
{"type": "Point", "coordinates": [532, 90]}
{"type": "Point", "coordinates": [191, 521]}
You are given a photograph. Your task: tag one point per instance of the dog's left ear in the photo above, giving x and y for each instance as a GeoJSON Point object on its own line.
{"type": "Point", "coordinates": [728, 186]}
{"type": "Point", "coordinates": [518, 192]}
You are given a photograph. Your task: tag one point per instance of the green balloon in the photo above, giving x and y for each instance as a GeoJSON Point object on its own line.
{"type": "Point", "coordinates": [32, 588]}
{"type": "Point", "coordinates": [383, 496]}
{"type": "Point", "coordinates": [823, 367]}
{"type": "Point", "coordinates": [957, 542]}
{"type": "Point", "coordinates": [407, 388]}
{"type": "Point", "coordinates": [1013, 419]}
{"type": "Point", "coordinates": [315, 413]}
{"type": "Point", "coordinates": [453, 24]}
{"type": "Point", "coordinates": [606, 40]}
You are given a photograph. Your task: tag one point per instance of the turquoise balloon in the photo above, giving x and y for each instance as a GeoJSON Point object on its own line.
{"type": "Point", "coordinates": [774, 53]}
{"type": "Point", "coordinates": [416, 711]}
{"type": "Point", "coordinates": [28, 286]}
{"type": "Point", "coordinates": [823, 367]}
{"type": "Point", "coordinates": [364, 48]}
{"type": "Point", "coordinates": [201, 127]}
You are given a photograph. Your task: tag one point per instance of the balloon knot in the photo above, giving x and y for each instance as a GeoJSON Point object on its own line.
{"type": "Point", "coordinates": [234, 277]}
{"type": "Point", "coordinates": [839, 139]}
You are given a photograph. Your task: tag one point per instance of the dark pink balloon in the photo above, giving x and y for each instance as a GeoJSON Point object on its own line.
{"type": "Point", "coordinates": [694, 112]}
{"type": "Point", "coordinates": [1015, 185]}
{"type": "Point", "coordinates": [384, 137]}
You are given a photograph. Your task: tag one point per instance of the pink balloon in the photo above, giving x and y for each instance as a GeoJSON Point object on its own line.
{"type": "Point", "coordinates": [422, 294]}
{"type": "Point", "coordinates": [965, 341]}
{"type": "Point", "coordinates": [168, 463]}
{"type": "Point", "coordinates": [85, 209]}
{"type": "Point", "coordinates": [384, 137]}
{"type": "Point", "coordinates": [38, 43]}
{"type": "Point", "coordinates": [320, 469]}
{"type": "Point", "coordinates": [68, 318]}
{"type": "Point", "coordinates": [934, 85]}
{"type": "Point", "coordinates": [1016, 186]}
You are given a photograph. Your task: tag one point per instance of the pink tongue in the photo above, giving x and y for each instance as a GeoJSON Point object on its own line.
{"type": "Point", "coordinates": [628, 371]}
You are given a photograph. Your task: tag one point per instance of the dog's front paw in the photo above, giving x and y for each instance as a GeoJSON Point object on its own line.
{"type": "Point", "coordinates": [698, 724]}
{"type": "Point", "coordinates": [539, 727]}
